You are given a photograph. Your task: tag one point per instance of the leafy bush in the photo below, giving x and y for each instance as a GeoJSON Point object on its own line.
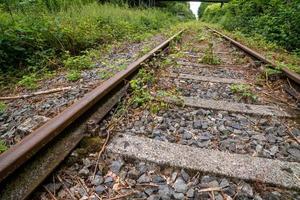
{"type": "Point", "coordinates": [78, 62]}
{"type": "Point", "coordinates": [29, 81]}
{"type": "Point", "coordinates": [276, 20]}
{"type": "Point", "coordinates": [36, 34]}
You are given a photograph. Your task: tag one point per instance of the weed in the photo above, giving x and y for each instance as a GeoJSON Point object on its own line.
{"type": "Point", "coordinates": [78, 62]}
{"type": "Point", "coordinates": [140, 91]}
{"type": "Point", "coordinates": [271, 72]}
{"type": "Point", "coordinates": [244, 91]}
{"type": "Point", "coordinates": [3, 146]}
{"type": "Point", "coordinates": [155, 107]}
{"type": "Point", "coordinates": [209, 56]}
{"type": "Point", "coordinates": [2, 107]}
{"type": "Point", "coordinates": [122, 67]}
{"type": "Point", "coordinates": [105, 74]}
{"type": "Point", "coordinates": [201, 38]}
{"type": "Point", "coordinates": [73, 75]}
{"type": "Point", "coordinates": [29, 81]}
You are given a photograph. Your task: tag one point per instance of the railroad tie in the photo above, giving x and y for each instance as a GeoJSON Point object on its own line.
{"type": "Point", "coordinates": [246, 167]}
{"type": "Point", "coordinates": [206, 78]}
{"type": "Point", "coordinates": [229, 106]}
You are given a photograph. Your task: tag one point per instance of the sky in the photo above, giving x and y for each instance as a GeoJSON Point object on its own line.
{"type": "Point", "coordinates": [194, 6]}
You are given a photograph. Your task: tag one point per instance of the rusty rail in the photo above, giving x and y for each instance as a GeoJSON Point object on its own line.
{"type": "Point", "coordinates": [31, 144]}
{"type": "Point", "coordinates": [290, 74]}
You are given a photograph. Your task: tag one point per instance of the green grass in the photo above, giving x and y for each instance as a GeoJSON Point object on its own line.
{"type": "Point", "coordinates": [78, 62]}
{"type": "Point", "coordinates": [244, 91]}
{"type": "Point", "coordinates": [210, 57]}
{"type": "Point", "coordinates": [37, 39]}
{"type": "Point", "coordinates": [270, 50]}
{"type": "Point", "coordinates": [2, 107]}
{"type": "Point", "coordinates": [140, 93]}
{"type": "Point", "coordinates": [29, 81]}
{"type": "Point", "coordinates": [105, 74]}
{"type": "Point", "coordinates": [3, 146]}
{"type": "Point", "coordinates": [73, 75]}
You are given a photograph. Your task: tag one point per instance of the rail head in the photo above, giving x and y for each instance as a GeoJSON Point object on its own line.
{"type": "Point", "coordinates": [18, 154]}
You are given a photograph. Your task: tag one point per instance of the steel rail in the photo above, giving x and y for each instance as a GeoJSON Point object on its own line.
{"type": "Point", "coordinates": [290, 74]}
{"type": "Point", "coordinates": [17, 155]}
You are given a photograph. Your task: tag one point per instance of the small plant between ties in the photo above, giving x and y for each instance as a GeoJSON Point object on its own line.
{"type": "Point", "coordinates": [209, 56]}
{"type": "Point", "coordinates": [244, 91]}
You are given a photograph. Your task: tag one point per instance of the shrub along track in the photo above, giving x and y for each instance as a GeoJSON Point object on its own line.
{"type": "Point", "coordinates": [197, 124]}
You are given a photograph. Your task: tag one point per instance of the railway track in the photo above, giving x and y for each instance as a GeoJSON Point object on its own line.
{"type": "Point", "coordinates": [205, 130]}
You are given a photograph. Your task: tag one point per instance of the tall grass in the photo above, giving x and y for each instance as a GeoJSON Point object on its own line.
{"type": "Point", "coordinates": [39, 35]}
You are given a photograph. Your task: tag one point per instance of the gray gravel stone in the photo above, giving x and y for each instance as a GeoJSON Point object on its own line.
{"type": "Point", "coordinates": [185, 175]}
{"type": "Point", "coordinates": [53, 187]}
{"type": "Point", "coordinates": [158, 179]}
{"type": "Point", "coordinates": [165, 192]}
{"type": "Point", "coordinates": [218, 197]}
{"type": "Point", "coordinates": [133, 174]}
{"type": "Point", "coordinates": [213, 184]}
{"type": "Point", "coordinates": [144, 179]}
{"type": "Point", "coordinates": [197, 124]}
{"type": "Point", "coordinates": [224, 183]}
{"type": "Point", "coordinates": [294, 152]}
{"type": "Point", "coordinates": [206, 179]}
{"type": "Point", "coordinates": [100, 189]}
{"type": "Point", "coordinates": [97, 180]}
{"type": "Point", "coordinates": [190, 193]}
{"type": "Point", "coordinates": [84, 171]}
{"type": "Point", "coordinates": [116, 166]}
{"type": "Point", "coordinates": [247, 190]}
{"type": "Point", "coordinates": [187, 135]}
{"type": "Point", "coordinates": [180, 186]}
{"type": "Point", "coordinates": [178, 195]}
{"type": "Point", "coordinates": [108, 180]}
{"type": "Point", "coordinates": [153, 197]}
{"type": "Point", "coordinates": [150, 191]}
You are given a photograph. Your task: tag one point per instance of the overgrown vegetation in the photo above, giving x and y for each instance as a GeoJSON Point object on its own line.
{"type": "Point", "coordinates": [275, 20]}
{"type": "Point", "coordinates": [73, 75]}
{"type": "Point", "coordinates": [209, 56]}
{"type": "Point", "coordinates": [244, 91]}
{"type": "Point", "coordinates": [3, 146]}
{"type": "Point", "coordinates": [140, 92]}
{"type": "Point", "coordinates": [41, 35]}
{"type": "Point", "coordinates": [29, 81]}
{"type": "Point", "coordinates": [2, 107]}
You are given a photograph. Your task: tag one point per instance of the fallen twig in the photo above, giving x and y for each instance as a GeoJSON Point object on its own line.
{"type": "Point", "coordinates": [82, 183]}
{"type": "Point", "coordinates": [147, 185]}
{"type": "Point", "coordinates": [100, 153]}
{"type": "Point", "coordinates": [50, 193]}
{"type": "Point", "coordinates": [97, 196]}
{"type": "Point", "coordinates": [210, 189]}
{"type": "Point", "coordinates": [292, 135]}
{"type": "Point", "coordinates": [64, 185]}
{"type": "Point", "coordinates": [212, 195]}
{"type": "Point", "coordinates": [123, 195]}
{"type": "Point", "coordinates": [36, 93]}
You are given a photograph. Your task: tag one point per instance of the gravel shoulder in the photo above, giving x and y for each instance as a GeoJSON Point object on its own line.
{"type": "Point", "coordinates": [23, 115]}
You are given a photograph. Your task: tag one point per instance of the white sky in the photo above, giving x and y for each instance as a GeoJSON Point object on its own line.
{"type": "Point", "coordinates": [194, 6]}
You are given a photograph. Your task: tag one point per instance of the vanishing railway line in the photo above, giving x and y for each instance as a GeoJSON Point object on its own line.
{"type": "Point", "coordinates": [226, 135]}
